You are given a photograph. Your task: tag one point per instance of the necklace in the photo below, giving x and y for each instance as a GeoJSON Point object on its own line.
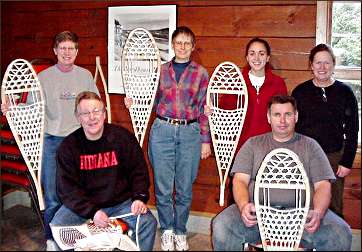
{"type": "Point", "coordinates": [322, 88]}
{"type": "Point", "coordinates": [324, 95]}
{"type": "Point", "coordinates": [256, 81]}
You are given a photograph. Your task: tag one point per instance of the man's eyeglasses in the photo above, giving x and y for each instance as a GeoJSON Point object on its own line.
{"type": "Point", "coordinates": [95, 112]}
{"type": "Point", "coordinates": [70, 49]}
{"type": "Point", "coordinates": [186, 44]}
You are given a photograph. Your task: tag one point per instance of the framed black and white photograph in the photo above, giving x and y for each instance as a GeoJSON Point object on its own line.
{"type": "Point", "coordinates": [159, 20]}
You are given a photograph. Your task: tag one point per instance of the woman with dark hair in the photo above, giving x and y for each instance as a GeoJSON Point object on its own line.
{"type": "Point", "coordinates": [261, 84]}
{"type": "Point", "coordinates": [328, 112]}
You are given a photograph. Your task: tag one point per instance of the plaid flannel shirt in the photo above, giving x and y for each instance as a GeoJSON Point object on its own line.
{"type": "Point", "coordinates": [185, 99]}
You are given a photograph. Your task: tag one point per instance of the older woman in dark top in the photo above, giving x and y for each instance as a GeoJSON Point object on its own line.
{"type": "Point", "coordinates": [328, 112]}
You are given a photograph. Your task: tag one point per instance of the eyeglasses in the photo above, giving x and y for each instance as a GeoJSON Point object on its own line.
{"type": "Point", "coordinates": [186, 44]}
{"type": "Point", "coordinates": [95, 112]}
{"type": "Point", "coordinates": [70, 49]}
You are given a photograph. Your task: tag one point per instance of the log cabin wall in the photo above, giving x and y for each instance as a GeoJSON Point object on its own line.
{"type": "Point", "coordinates": [222, 30]}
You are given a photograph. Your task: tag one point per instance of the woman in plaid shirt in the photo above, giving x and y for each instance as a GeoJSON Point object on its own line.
{"type": "Point", "coordinates": [179, 137]}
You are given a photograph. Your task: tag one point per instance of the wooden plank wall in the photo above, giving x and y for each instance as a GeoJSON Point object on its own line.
{"type": "Point", "coordinates": [222, 28]}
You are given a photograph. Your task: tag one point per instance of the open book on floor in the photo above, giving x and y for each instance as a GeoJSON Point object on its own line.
{"type": "Point", "coordinates": [90, 237]}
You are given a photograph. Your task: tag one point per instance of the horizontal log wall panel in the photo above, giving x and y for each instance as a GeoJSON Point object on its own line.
{"type": "Point", "coordinates": [89, 23]}
{"type": "Point", "coordinates": [352, 185]}
{"type": "Point", "coordinates": [287, 53]}
{"type": "Point", "coordinates": [208, 173]}
{"type": "Point", "coordinates": [241, 21]}
{"type": "Point", "coordinates": [89, 48]}
{"type": "Point", "coordinates": [357, 160]}
{"type": "Point", "coordinates": [241, 3]}
{"type": "Point", "coordinates": [352, 213]}
{"type": "Point", "coordinates": [120, 115]}
{"type": "Point", "coordinates": [293, 78]}
{"type": "Point", "coordinates": [206, 198]}
{"type": "Point", "coordinates": [352, 195]}
{"type": "Point", "coordinates": [28, 6]}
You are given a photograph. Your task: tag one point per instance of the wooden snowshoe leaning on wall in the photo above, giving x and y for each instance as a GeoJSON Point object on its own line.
{"type": "Point", "coordinates": [140, 68]}
{"type": "Point", "coordinates": [226, 124]}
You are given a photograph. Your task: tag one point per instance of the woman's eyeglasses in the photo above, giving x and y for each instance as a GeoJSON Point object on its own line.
{"type": "Point", "coordinates": [186, 44]}
{"type": "Point", "coordinates": [70, 49]}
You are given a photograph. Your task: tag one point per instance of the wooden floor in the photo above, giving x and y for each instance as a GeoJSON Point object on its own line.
{"type": "Point", "coordinates": [21, 231]}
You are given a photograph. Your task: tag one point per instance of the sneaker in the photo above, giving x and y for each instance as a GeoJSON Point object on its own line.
{"type": "Point", "coordinates": [51, 246]}
{"type": "Point", "coordinates": [181, 242]}
{"type": "Point", "coordinates": [167, 240]}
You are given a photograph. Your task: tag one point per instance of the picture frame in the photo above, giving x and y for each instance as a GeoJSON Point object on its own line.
{"type": "Point", "coordinates": [159, 20]}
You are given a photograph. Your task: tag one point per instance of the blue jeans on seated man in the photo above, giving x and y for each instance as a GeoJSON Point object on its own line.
{"type": "Point", "coordinates": [230, 233]}
{"type": "Point", "coordinates": [147, 222]}
{"type": "Point", "coordinates": [48, 174]}
{"type": "Point", "coordinates": [174, 152]}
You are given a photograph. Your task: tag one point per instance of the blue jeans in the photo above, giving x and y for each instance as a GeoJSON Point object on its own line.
{"type": "Point", "coordinates": [174, 152]}
{"type": "Point", "coordinates": [48, 180]}
{"type": "Point", "coordinates": [230, 233]}
{"type": "Point", "coordinates": [147, 222]}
